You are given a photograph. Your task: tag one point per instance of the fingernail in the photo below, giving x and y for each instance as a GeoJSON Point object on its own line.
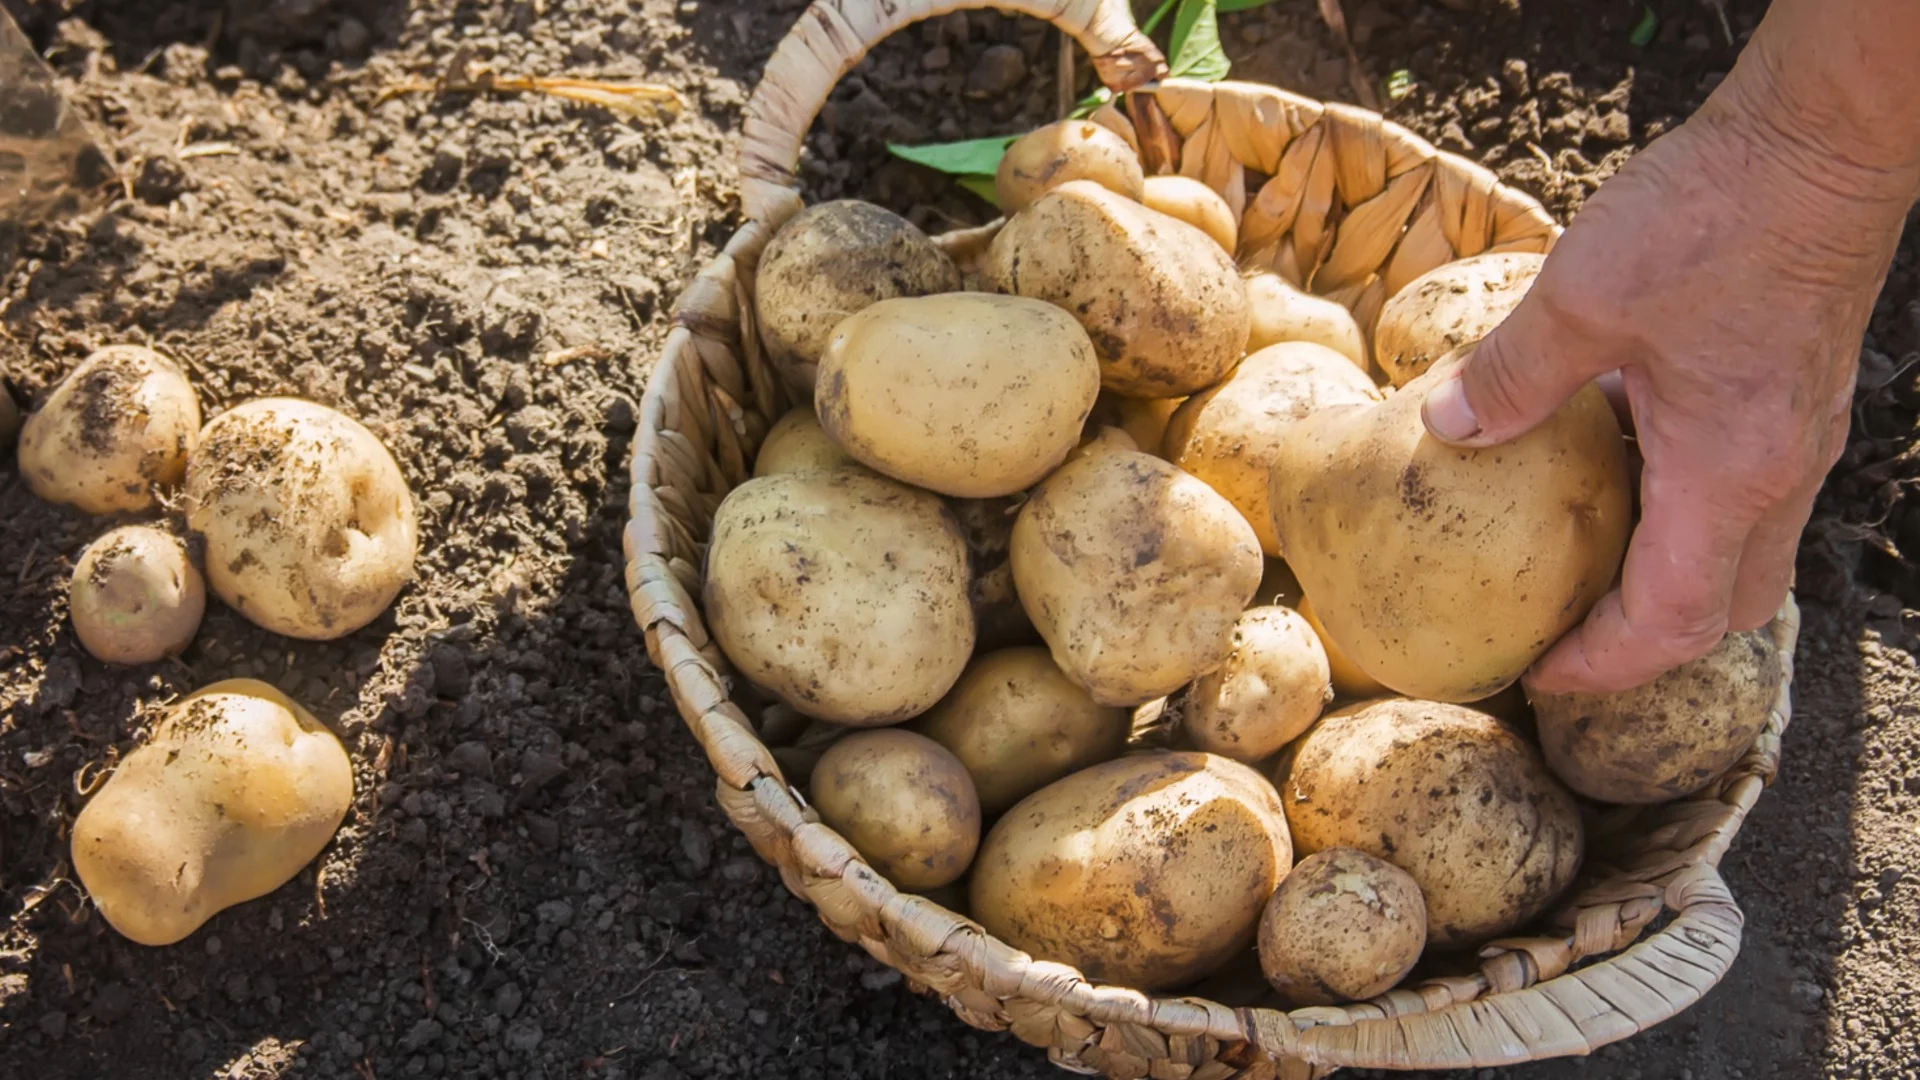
{"type": "Point", "coordinates": [1447, 413]}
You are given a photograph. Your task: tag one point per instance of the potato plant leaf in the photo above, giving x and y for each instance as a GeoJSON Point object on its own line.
{"type": "Point", "coordinates": [1241, 5]}
{"type": "Point", "coordinates": [981, 185]}
{"type": "Point", "coordinates": [968, 157]}
{"type": "Point", "coordinates": [1195, 44]}
{"type": "Point", "coordinates": [1644, 30]}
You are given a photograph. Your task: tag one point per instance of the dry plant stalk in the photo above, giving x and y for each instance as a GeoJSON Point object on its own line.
{"type": "Point", "coordinates": [467, 76]}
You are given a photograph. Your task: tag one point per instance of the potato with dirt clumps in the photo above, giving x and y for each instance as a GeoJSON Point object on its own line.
{"type": "Point", "coordinates": [1134, 573]}
{"type": "Point", "coordinates": [310, 529]}
{"type": "Point", "coordinates": [1229, 435]}
{"type": "Point", "coordinates": [830, 261]}
{"type": "Point", "coordinates": [1049, 156]}
{"type": "Point", "coordinates": [1283, 313]}
{"type": "Point", "coordinates": [1348, 680]}
{"type": "Point", "coordinates": [1446, 793]}
{"type": "Point", "coordinates": [135, 596]}
{"type": "Point", "coordinates": [1669, 738]}
{"type": "Point", "coordinates": [842, 593]}
{"type": "Point", "coordinates": [1018, 724]}
{"type": "Point", "coordinates": [235, 790]}
{"type": "Point", "coordinates": [1149, 871]}
{"type": "Point", "coordinates": [119, 426]}
{"type": "Point", "coordinates": [797, 443]}
{"type": "Point", "coordinates": [903, 801]}
{"type": "Point", "coordinates": [1343, 926]}
{"type": "Point", "coordinates": [1449, 307]}
{"type": "Point", "coordinates": [973, 395]}
{"type": "Point", "coordinates": [1196, 204]}
{"type": "Point", "coordinates": [1165, 307]}
{"type": "Point", "coordinates": [1271, 688]}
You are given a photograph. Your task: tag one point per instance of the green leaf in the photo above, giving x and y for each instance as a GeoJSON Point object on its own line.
{"type": "Point", "coordinates": [969, 156]}
{"type": "Point", "coordinates": [1159, 15]}
{"type": "Point", "coordinates": [1196, 42]}
{"type": "Point", "coordinates": [981, 186]}
{"type": "Point", "coordinates": [1644, 30]}
{"type": "Point", "coordinates": [1091, 103]}
{"type": "Point", "coordinates": [1399, 84]}
{"type": "Point", "coordinates": [1241, 5]}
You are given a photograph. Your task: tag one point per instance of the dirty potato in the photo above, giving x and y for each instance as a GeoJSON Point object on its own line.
{"type": "Point", "coordinates": [135, 596]}
{"type": "Point", "coordinates": [1343, 926]}
{"type": "Point", "coordinates": [797, 443]}
{"type": "Point", "coordinates": [1271, 688]}
{"type": "Point", "coordinates": [1049, 156]}
{"type": "Point", "coordinates": [1348, 680]}
{"type": "Point", "coordinates": [117, 429]}
{"type": "Point", "coordinates": [1196, 204]}
{"type": "Point", "coordinates": [1449, 307]}
{"type": "Point", "coordinates": [1143, 419]}
{"type": "Point", "coordinates": [903, 801]}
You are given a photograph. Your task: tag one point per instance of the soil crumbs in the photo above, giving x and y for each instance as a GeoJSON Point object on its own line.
{"type": "Point", "coordinates": [534, 880]}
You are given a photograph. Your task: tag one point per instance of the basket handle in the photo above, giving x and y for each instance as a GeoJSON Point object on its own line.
{"type": "Point", "coordinates": [834, 35]}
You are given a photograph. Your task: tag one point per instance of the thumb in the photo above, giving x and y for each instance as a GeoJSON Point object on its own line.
{"type": "Point", "coordinates": [1513, 379]}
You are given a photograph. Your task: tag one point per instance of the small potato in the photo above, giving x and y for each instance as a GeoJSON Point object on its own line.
{"type": "Point", "coordinates": [797, 443]}
{"type": "Point", "coordinates": [135, 596]}
{"type": "Point", "coordinates": [830, 261]}
{"type": "Point", "coordinates": [1343, 926]}
{"type": "Point", "coordinates": [1271, 688]}
{"type": "Point", "coordinates": [999, 620]}
{"type": "Point", "coordinates": [1283, 313]}
{"type": "Point", "coordinates": [1348, 680]}
{"type": "Point", "coordinates": [1102, 440]}
{"type": "Point", "coordinates": [1668, 738]}
{"type": "Point", "coordinates": [973, 395]}
{"type": "Point", "coordinates": [1196, 204]}
{"type": "Point", "coordinates": [120, 425]}
{"type": "Point", "coordinates": [1018, 724]}
{"type": "Point", "coordinates": [1143, 419]}
{"type": "Point", "coordinates": [236, 789]}
{"type": "Point", "coordinates": [1047, 157]}
{"type": "Point", "coordinates": [1447, 308]}
{"type": "Point", "coordinates": [310, 528]}
{"type": "Point", "coordinates": [903, 801]}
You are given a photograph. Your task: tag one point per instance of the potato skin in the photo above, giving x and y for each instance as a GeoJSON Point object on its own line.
{"type": "Point", "coordinates": [1446, 793]}
{"type": "Point", "coordinates": [1196, 204]}
{"type": "Point", "coordinates": [1065, 150]}
{"type": "Point", "coordinates": [1143, 419]}
{"type": "Point", "coordinates": [999, 620]}
{"type": "Point", "coordinates": [797, 443]}
{"type": "Point", "coordinates": [120, 425]}
{"type": "Point", "coordinates": [1149, 871]}
{"type": "Point", "coordinates": [842, 593]}
{"type": "Point", "coordinates": [1271, 688]}
{"type": "Point", "coordinates": [236, 790]}
{"type": "Point", "coordinates": [1348, 680]}
{"type": "Point", "coordinates": [830, 261]}
{"type": "Point", "coordinates": [1134, 573]}
{"type": "Point", "coordinates": [1669, 738]}
{"type": "Point", "coordinates": [903, 801]}
{"type": "Point", "coordinates": [1449, 307]}
{"type": "Point", "coordinates": [1283, 313]}
{"type": "Point", "coordinates": [1165, 307]}
{"type": "Point", "coordinates": [135, 596]}
{"type": "Point", "coordinates": [972, 395]}
{"type": "Point", "coordinates": [1343, 926]}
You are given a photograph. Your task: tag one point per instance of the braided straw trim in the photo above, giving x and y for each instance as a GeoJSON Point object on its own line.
{"type": "Point", "coordinates": [1343, 203]}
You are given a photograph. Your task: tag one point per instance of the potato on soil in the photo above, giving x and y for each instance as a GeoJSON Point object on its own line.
{"type": "Point", "coordinates": [1229, 435]}
{"type": "Point", "coordinates": [135, 596]}
{"type": "Point", "coordinates": [1272, 687]}
{"type": "Point", "coordinates": [1149, 871]}
{"type": "Point", "coordinates": [842, 593]}
{"type": "Point", "coordinates": [1134, 573]}
{"type": "Point", "coordinates": [1348, 680]}
{"type": "Point", "coordinates": [236, 789]}
{"type": "Point", "coordinates": [1049, 156]}
{"type": "Point", "coordinates": [1446, 793]}
{"type": "Point", "coordinates": [1343, 926]}
{"type": "Point", "coordinates": [973, 395]}
{"type": "Point", "coordinates": [1449, 307]}
{"type": "Point", "coordinates": [1196, 204]}
{"type": "Point", "coordinates": [999, 620]}
{"type": "Point", "coordinates": [797, 443]}
{"type": "Point", "coordinates": [1018, 724]}
{"type": "Point", "coordinates": [310, 529]}
{"type": "Point", "coordinates": [1165, 307]}
{"type": "Point", "coordinates": [1669, 738]}
{"type": "Point", "coordinates": [903, 801]}
{"type": "Point", "coordinates": [1283, 313]}
{"type": "Point", "coordinates": [120, 425]}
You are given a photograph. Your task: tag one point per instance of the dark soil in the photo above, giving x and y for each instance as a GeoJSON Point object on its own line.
{"type": "Point", "coordinates": [534, 880]}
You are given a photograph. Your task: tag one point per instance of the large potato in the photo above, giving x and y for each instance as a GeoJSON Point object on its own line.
{"type": "Point", "coordinates": [310, 529]}
{"type": "Point", "coordinates": [1668, 738]}
{"type": "Point", "coordinates": [841, 592]}
{"type": "Point", "coordinates": [1229, 435]}
{"type": "Point", "coordinates": [797, 443]}
{"type": "Point", "coordinates": [903, 801]}
{"type": "Point", "coordinates": [1018, 724]}
{"type": "Point", "coordinates": [1446, 793]}
{"type": "Point", "coordinates": [1134, 573]}
{"type": "Point", "coordinates": [1165, 307]}
{"type": "Point", "coordinates": [118, 427]}
{"type": "Point", "coordinates": [1348, 680]}
{"type": "Point", "coordinates": [830, 261]}
{"type": "Point", "coordinates": [1283, 313]}
{"type": "Point", "coordinates": [236, 789]}
{"type": "Point", "coordinates": [1445, 572]}
{"type": "Point", "coordinates": [1449, 307]}
{"type": "Point", "coordinates": [1195, 203]}
{"type": "Point", "coordinates": [1271, 688]}
{"type": "Point", "coordinates": [1149, 871]}
{"type": "Point", "coordinates": [1343, 926]}
{"type": "Point", "coordinates": [1049, 156]}
{"type": "Point", "coordinates": [969, 394]}
{"type": "Point", "coordinates": [135, 596]}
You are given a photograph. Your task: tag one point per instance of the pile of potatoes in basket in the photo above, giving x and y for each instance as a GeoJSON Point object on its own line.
{"type": "Point", "coordinates": [1095, 475]}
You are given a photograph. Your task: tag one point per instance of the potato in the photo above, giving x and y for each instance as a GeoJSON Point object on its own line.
{"type": "Point", "coordinates": [969, 394]}
{"type": "Point", "coordinates": [1134, 573]}
{"type": "Point", "coordinates": [1446, 793]}
{"type": "Point", "coordinates": [1343, 926]}
{"type": "Point", "coordinates": [1669, 738]}
{"type": "Point", "coordinates": [830, 261]}
{"type": "Point", "coordinates": [1449, 307]}
{"type": "Point", "coordinates": [135, 596]}
{"type": "Point", "coordinates": [310, 528]}
{"type": "Point", "coordinates": [1049, 156]}
{"type": "Point", "coordinates": [1196, 204]}
{"type": "Point", "coordinates": [1229, 435]}
{"type": "Point", "coordinates": [1271, 688]}
{"type": "Point", "coordinates": [235, 790]}
{"type": "Point", "coordinates": [120, 425]}
{"type": "Point", "coordinates": [1165, 307]}
{"type": "Point", "coordinates": [999, 620]}
{"type": "Point", "coordinates": [1445, 572]}
{"type": "Point", "coordinates": [1143, 419]}
{"type": "Point", "coordinates": [1348, 680]}
{"type": "Point", "coordinates": [1018, 724]}
{"type": "Point", "coordinates": [903, 801]}
{"type": "Point", "coordinates": [1103, 440]}
{"type": "Point", "coordinates": [1282, 313]}
{"type": "Point", "coordinates": [797, 443]}
{"type": "Point", "coordinates": [842, 593]}
{"type": "Point", "coordinates": [1149, 871]}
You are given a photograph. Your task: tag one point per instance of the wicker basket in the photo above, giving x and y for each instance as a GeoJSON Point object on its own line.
{"type": "Point", "coordinates": [1353, 207]}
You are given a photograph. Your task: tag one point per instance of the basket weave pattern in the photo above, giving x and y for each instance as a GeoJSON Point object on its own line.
{"type": "Point", "coordinates": [1336, 200]}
